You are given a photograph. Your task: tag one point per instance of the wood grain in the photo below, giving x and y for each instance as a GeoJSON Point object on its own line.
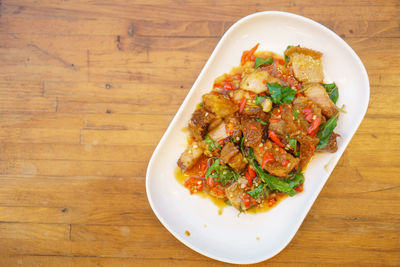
{"type": "Point", "coordinates": [87, 88]}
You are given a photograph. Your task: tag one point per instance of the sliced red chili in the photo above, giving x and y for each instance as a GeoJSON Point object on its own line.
{"type": "Point", "coordinates": [246, 200]}
{"type": "Point", "coordinates": [248, 178]}
{"type": "Point", "coordinates": [267, 158]}
{"type": "Point", "coordinates": [285, 163]}
{"type": "Point", "coordinates": [275, 138]}
{"type": "Point", "coordinates": [252, 127]}
{"type": "Point", "coordinates": [228, 86]}
{"type": "Point", "coordinates": [314, 126]}
{"type": "Point", "coordinates": [249, 54]}
{"type": "Point", "coordinates": [273, 120]}
{"type": "Point", "coordinates": [194, 184]}
{"type": "Point", "coordinates": [251, 171]}
{"type": "Point", "coordinates": [242, 104]}
{"type": "Point", "coordinates": [299, 188]}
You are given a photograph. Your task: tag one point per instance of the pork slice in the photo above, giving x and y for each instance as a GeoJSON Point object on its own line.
{"type": "Point", "coordinates": [332, 143]}
{"type": "Point", "coordinates": [306, 64]}
{"type": "Point", "coordinates": [252, 132]}
{"type": "Point", "coordinates": [238, 162]}
{"type": "Point", "coordinates": [253, 111]}
{"type": "Point", "coordinates": [219, 105]}
{"type": "Point", "coordinates": [317, 93]}
{"type": "Point", "coordinates": [190, 156]}
{"type": "Point", "coordinates": [199, 123]}
{"type": "Point", "coordinates": [284, 161]}
{"type": "Point", "coordinates": [234, 193]}
{"type": "Point", "coordinates": [307, 148]}
{"type": "Point", "coordinates": [228, 151]}
{"type": "Point", "coordinates": [219, 132]}
{"type": "Point", "coordinates": [257, 81]}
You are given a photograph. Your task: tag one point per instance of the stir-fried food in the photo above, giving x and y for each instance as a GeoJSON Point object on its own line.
{"type": "Point", "coordinates": [255, 132]}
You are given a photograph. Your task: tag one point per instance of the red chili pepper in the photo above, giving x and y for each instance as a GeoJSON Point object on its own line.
{"type": "Point", "coordinates": [299, 188]}
{"type": "Point", "coordinates": [220, 141]}
{"type": "Point", "coordinates": [274, 120]}
{"type": "Point", "coordinates": [307, 111]}
{"type": "Point", "coordinates": [275, 138]}
{"type": "Point", "coordinates": [251, 171]}
{"type": "Point", "coordinates": [285, 163]}
{"type": "Point", "coordinates": [253, 127]}
{"type": "Point", "coordinates": [248, 54]}
{"type": "Point", "coordinates": [215, 93]}
{"type": "Point", "coordinates": [194, 184]}
{"type": "Point", "coordinates": [218, 85]}
{"type": "Point", "coordinates": [246, 200]}
{"type": "Point", "coordinates": [267, 158]}
{"type": "Point", "coordinates": [252, 94]}
{"type": "Point", "coordinates": [249, 179]}
{"type": "Point", "coordinates": [312, 147]}
{"type": "Point", "coordinates": [228, 86]}
{"type": "Point", "coordinates": [299, 94]}
{"type": "Point", "coordinates": [242, 104]}
{"type": "Point", "coordinates": [313, 129]}
{"type": "Point", "coordinates": [280, 61]}
{"type": "Point", "coordinates": [203, 168]}
{"type": "Point", "coordinates": [271, 201]}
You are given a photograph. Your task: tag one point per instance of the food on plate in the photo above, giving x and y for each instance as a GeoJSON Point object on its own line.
{"type": "Point", "coordinates": [254, 133]}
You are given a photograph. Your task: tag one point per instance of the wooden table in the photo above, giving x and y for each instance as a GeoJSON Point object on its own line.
{"type": "Point", "coordinates": [87, 90]}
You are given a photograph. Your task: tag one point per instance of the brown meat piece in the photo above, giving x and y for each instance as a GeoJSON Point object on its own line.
{"type": "Point", "coordinates": [306, 64]}
{"type": "Point", "coordinates": [307, 148]}
{"type": "Point", "coordinates": [252, 131]}
{"type": "Point", "coordinates": [281, 157]}
{"type": "Point", "coordinates": [228, 151]}
{"type": "Point", "coordinates": [219, 132]}
{"type": "Point", "coordinates": [317, 93]}
{"type": "Point", "coordinates": [332, 143]}
{"type": "Point", "coordinates": [190, 156]}
{"type": "Point", "coordinates": [230, 154]}
{"type": "Point", "coordinates": [277, 125]}
{"type": "Point", "coordinates": [199, 123]}
{"type": "Point", "coordinates": [238, 162]}
{"type": "Point", "coordinates": [251, 111]}
{"type": "Point", "coordinates": [234, 193]}
{"type": "Point", "coordinates": [219, 105]}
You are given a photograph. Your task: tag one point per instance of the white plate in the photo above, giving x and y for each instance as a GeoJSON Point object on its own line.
{"type": "Point", "coordinates": [251, 238]}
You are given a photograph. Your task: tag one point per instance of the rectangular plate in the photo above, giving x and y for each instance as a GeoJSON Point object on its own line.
{"type": "Point", "coordinates": [251, 238]}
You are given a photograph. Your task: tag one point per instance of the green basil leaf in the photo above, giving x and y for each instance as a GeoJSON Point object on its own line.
{"type": "Point", "coordinates": [325, 131]}
{"type": "Point", "coordinates": [242, 144]}
{"type": "Point", "coordinates": [260, 121]}
{"type": "Point", "coordinates": [287, 95]}
{"type": "Point", "coordinates": [260, 99]}
{"type": "Point", "coordinates": [295, 113]}
{"type": "Point", "coordinates": [212, 145]}
{"type": "Point", "coordinates": [221, 173]}
{"type": "Point", "coordinates": [296, 180]}
{"type": "Point", "coordinates": [256, 191]}
{"type": "Point", "coordinates": [275, 91]}
{"type": "Point", "coordinates": [281, 95]}
{"type": "Point", "coordinates": [332, 91]}
{"type": "Point", "coordinates": [287, 59]}
{"type": "Point", "coordinates": [293, 144]}
{"type": "Point", "coordinates": [261, 61]}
